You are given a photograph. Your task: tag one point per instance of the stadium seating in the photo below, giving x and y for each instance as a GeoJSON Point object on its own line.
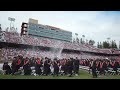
{"type": "Point", "coordinates": [12, 37]}
{"type": "Point", "coordinates": [29, 40]}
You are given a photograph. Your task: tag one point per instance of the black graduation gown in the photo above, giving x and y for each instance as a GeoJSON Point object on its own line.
{"type": "Point", "coordinates": [56, 69]}
{"type": "Point", "coordinates": [7, 68]}
{"type": "Point", "coordinates": [76, 66]}
{"type": "Point", "coordinates": [14, 67]}
{"type": "Point", "coordinates": [66, 68]}
{"type": "Point", "coordinates": [70, 67]}
{"type": "Point", "coordinates": [46, 68]}
{"type": "Point", "coordinates": [94, 70]}
{"type": "Point", "coordinates": [27, 69]}
{"type": "Point", "coordinates": [38, 69]}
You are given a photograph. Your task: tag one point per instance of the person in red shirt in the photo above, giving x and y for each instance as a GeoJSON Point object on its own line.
{"type": "Point", "coordinates": [97, 63]}
{"type": "Point", "coordinates": [18, 63]}
{"type": "Point", "coordinates": [112, 64]}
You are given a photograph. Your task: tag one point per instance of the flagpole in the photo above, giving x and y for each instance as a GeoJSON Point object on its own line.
{"type": "Point", "coordinates": [76, 36]}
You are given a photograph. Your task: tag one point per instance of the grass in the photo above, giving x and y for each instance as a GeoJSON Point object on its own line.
{"type": "Point", "coordinates": [83, 75]}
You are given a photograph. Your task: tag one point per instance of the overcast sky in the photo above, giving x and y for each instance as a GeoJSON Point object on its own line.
{"type": "Point", "coordinates": [96, 25]}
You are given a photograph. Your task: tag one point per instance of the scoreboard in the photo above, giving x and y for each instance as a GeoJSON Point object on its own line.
{"type": "Point", "coordinates": [46, 31]}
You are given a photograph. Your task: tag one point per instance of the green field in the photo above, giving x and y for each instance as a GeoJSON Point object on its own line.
{"type": "Point", "coordinates": [83, 75]}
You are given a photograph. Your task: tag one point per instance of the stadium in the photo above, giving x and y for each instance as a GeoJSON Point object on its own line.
{"type": "Point", "coordinates": [54, 44]}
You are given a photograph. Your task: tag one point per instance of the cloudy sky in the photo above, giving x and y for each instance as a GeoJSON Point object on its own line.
{"type": "Point", "coordinates": [96, 25]}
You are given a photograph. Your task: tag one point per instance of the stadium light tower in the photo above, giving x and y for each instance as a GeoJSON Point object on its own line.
{"type": "Point", "coordinates": [83, 37]}
{"type": "Point", "coordinates": [108, 39]}
{"type": "Point", "coordinates": [11, 20]}
{"type": "Point", "coordinates": [76, 36]}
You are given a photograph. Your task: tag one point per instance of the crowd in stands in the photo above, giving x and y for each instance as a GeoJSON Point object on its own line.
{"type": "Point", "coordinates": [7, 53]}
{"type": "Point", "coordinates": [13, 37]}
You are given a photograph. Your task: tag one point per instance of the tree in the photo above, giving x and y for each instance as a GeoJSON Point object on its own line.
{"type": "Point", "coordinates": [91, 42]}
{"type": "Point", "coordinates": [73, 40]}
{"type": "Point", "coordinates": [81, 41]}
{"type": "Point", "coordinates": [77, 40]}
{"type": "Point", "coordinates": [86, 41]}
{"type": "Point", "coordinates": [106, 44]}
{"type": "Point", "coordinates": [113, 44]}
{"type": "Point", "coordinates": [101, 46]}
{"type": "Point", "coordinates": [110, 44]}
{"type": "Point", "coordinates": [98, 45]}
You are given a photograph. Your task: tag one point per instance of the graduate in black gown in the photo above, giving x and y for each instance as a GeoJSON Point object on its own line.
{"type": "Point", "coordinates": [26, 67]}
{"type": "Point", "coordinates": [14, 65]}
{"type": "Point", "coordinates": [38, 66]}
{"type": "Point", "coordinates": [56, 68]}
{"type": "Point", "coordinates": [76, 66]}
{"type": "Point", "coordinates": [94, 69]}
{"type": "Point", "coordinates": [66, 67]}
{"type": "Point", "coordinates": [70, 67]}
{"type": "Point", "coordinates": [49, 64]}
{"type": "Point", "coordinates": [46, 67]}
{"type": "Point", "coordinates": [7, 68]}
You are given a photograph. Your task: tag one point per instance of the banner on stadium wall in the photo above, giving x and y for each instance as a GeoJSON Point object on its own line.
{"type": "Point", "coordinates": [2, 37]}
